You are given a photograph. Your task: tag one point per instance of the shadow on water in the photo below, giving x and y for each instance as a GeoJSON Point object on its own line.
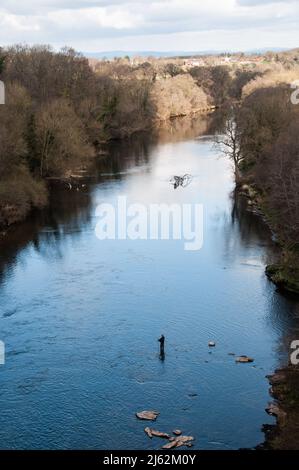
{"type": "Point", "coordinates": [45, 230]}
{"type": "Point", "coordinates": [251, 227]}
{"type": "Point", "coordinates": [253, 230]}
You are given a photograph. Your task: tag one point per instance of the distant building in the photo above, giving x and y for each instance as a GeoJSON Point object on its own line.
{"type": "Point", "coordinates": [190, 63]}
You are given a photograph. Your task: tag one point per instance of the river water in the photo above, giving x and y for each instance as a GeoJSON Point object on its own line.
{"type": "Point", "coordinates": [80, 317]}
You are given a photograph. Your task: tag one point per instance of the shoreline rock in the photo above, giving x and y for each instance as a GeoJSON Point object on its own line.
{"type": "Point", "coordinates": [284, 435]}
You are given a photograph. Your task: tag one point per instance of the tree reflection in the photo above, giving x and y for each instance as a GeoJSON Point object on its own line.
{"type": "Point", "coordinates": [283, 309]}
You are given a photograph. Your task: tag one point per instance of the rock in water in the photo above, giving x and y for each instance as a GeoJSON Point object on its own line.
{"type": "Point", "coordinates": [148, 415]}
{"type": "Point", "coordinates": [177, 432]}
{"type": "Point", "coordinates": [170, 445]}
{"type": "Point", "coordinates": [163, 435]}
{"type": "Point", "coordinates": [153, 432]}
{"type": "Point", "coordinates": [178, 442]}
{"type": "Point", "coordinates": [244, 359]}
{"type": "Point", "coordinates": [148, 432]}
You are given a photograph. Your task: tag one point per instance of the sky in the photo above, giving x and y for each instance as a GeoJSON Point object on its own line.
{"type": "Point", "coordinates": [160, 25]}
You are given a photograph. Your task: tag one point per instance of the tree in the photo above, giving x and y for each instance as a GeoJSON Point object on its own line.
{"type": "Point", "coordinates": [222, 81]}
{"type": "Point", "coordinates": [2, 60]}
{"type": "Point", "coordinates": [13, 118]}
{"type": "Point", "coordinates": [262, 117]}
{"type": "Point", "coordinates": [172, 70]}
{"type": "Point", "coordinates": [19, 191]}
{"type": "Point", "coordinates": [241, 79]}
{"type": "Point", "coordinates": [32, 153]}
{"type": "Point", "coordinates": [203, 78]}
{"type": "Point", "coordinates": [229, 144]}
{"type": "Point", "coordinates": [61, 139]}
{"type": "Point", "coordinates": [279, 174]}
{"type": "Point", "coordinates": [178, 96]}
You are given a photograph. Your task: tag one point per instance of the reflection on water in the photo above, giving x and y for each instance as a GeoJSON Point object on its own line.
{"type": "Point", "coordinates": [81, 318]}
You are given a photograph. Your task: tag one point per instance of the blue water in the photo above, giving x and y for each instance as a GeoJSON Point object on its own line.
{"type": "Point", "coordinates": [80, 317]}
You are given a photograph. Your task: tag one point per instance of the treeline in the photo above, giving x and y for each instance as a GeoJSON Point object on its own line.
{"type": "Point", "coordinates": [262, 139]}
{"type": "Point", "coordinates": [56, 114]}
{"type": "Point", "coordinates": [59, 110]}
{"type": "Point", "coordinates": [176, 90]}
{"type": "Point", "coordinates": [221, 84]}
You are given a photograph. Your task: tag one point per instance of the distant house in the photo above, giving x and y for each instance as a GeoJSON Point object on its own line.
{"type": "Point", "coordinates": [190, 63]}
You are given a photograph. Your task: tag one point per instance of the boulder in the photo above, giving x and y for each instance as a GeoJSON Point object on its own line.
{"type": "Point", "coordinates": [154, 433]}
{"type": "Point", "coordinates": [179, 441]}
{"type": "Point", "coordinates": [148, 415]}
{"type": "Point", "coordinates": [244, 359]}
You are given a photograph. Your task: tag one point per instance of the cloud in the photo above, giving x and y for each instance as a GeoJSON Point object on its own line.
{"type": "Point", "coordinates": [253, 3]}
{"type": "Point", "coordinates": [98, 19]}
{"type": "Point", "coordinates": [33, 7]}
{"type": "Point", "coordinates": [78, 21]}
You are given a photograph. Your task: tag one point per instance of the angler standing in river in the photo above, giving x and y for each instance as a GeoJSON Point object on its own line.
{"type": "Point", "coordinates": [162, 351]}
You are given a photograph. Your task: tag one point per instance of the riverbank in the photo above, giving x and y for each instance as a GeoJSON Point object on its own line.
{"type": "Point", "coordinates": [284, 383]}
{"type": "Point", "coordinates": [285, 273]}
{"type": "Point", "coordinates": [18, 196]}
{"type": "Point", "coordinates": [285, 277]}
{"type": "Point", "coordinates": [285, 391]}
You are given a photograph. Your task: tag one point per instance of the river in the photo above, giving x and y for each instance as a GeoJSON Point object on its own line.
{"type": "Point", "coordinates": [80, 317]}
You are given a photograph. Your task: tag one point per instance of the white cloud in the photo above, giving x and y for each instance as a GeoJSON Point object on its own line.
{"type": "Point", "coordinates": [95, 18]}
{"type": "Point", "coordinates": [18, 24]}
{"type": "Point", "coordinates": [253, 3]}
{"type": "Point", "coordinates": [85, 23]}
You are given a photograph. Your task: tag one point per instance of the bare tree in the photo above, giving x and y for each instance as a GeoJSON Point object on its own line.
{"type": "Point", "coordinates": [229, 144]}
{"type": "Point", "coordinates": [61, 138]}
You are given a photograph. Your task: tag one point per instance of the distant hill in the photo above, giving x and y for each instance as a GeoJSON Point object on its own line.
{"type": "Point", "coordinates": [112, 54]}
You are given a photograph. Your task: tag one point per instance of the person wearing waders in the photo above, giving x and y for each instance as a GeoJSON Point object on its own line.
{"type": "Point", "coordinates": [162, 342]}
